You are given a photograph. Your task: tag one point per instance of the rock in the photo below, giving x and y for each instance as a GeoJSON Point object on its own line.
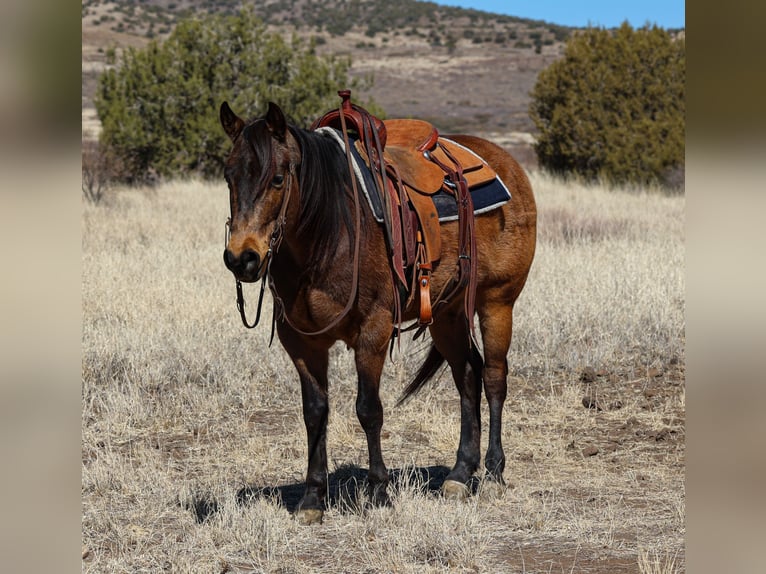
{"type": "Point", "coordinates": [590, 451]}
{"type": "Point", "coordinates": [588, 375]}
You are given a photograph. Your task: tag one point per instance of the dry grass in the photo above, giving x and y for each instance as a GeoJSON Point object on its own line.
{"type": "Point", "coordinates": [193, 444]}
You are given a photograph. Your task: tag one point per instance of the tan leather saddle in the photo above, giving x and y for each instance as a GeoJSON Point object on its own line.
{"type": "Point", "coordinates": [411, 162]}
{"type": "Point", "coordinates": [418, 151]}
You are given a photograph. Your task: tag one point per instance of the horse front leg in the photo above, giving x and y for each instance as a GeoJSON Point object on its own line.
{"type": "Point", "coordinates": [369, 410]}
{"type": "Point", "coordinates": [311, 363]}
{"type": "Point", "coordinates": [315, 413]}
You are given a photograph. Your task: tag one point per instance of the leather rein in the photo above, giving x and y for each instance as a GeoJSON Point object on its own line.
{"type": "Point", "coordinates": [275, 241]}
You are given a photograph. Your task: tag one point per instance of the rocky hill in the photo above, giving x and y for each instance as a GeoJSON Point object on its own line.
{"type": "Point", "coordinates": [464, 70]}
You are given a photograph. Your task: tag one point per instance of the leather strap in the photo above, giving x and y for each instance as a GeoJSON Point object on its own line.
{"type": "Point", "coordinates": [276, 239]}
{"type": "Point", "coordinates": [357, 241]}
{"type": "Point", "coordinates": [274, 243]}
{"type": "Point", "coordinates": [466, 278]}
{"type": "Point", "coordinates": [425, 316]}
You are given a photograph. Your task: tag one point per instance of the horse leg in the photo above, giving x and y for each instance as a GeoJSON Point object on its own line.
{"type": "Point", "coordinates": [496, 329]}
{"type": "Point", "coordinates": [312, 364]}
{"type": "Point", "coordinates": [313, 376]}
{"type": "Point", "coordinates": [450, 336]}
{"type": "Point", "coordinates": [369, 410]}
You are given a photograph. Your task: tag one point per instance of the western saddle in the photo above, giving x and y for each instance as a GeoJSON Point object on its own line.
{"type": "Point", "coordinates": [410, 162]}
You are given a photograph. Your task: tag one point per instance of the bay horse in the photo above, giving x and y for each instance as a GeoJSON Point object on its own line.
{"type": "Point", "coordinates": [293, 216]}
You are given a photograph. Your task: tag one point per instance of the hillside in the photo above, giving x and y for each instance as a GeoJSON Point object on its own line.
{"type": "Point", "coordinates": [464, 70]}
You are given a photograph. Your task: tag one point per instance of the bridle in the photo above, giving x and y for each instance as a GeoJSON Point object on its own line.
{"type": "Point", "coordinates": [275, 241]}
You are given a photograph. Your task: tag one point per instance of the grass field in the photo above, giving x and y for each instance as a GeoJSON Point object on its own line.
{"type": "Point", "coordinates": [193, 445]}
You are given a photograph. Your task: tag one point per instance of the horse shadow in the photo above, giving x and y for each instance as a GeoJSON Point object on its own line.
{"type": "Point", "coordinates": [346, 490]}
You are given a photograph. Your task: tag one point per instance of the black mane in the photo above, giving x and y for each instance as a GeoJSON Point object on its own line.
{"type": "Point", "coordinates": [325, 196]}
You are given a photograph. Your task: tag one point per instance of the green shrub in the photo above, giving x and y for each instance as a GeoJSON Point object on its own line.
{"type": "Point", "coordinates": [613, 108]}
{"type": "Point", "coordinates": [159, 105]}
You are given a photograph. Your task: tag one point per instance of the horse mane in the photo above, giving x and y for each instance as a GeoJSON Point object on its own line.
{"type": "Point", "coordinates": [325, 186]}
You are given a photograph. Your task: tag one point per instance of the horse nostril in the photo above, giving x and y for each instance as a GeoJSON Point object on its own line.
{"type": "Point", "coordinates": [250, 261]}
{"type": "Point", "coordinates": [245, 265]}
{"type": "Point", "coordinates": [229, 259]}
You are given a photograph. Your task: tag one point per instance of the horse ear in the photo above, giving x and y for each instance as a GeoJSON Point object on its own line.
{"type": "Point", "coordinates": [231, 122]}
{"type": "Point", "coordinates": [275, 121]}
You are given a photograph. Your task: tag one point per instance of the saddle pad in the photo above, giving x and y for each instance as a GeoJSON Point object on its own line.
{"type": "Point", "coordinates": [487, 193]}
{"type": "Point", "coordinates": [363, 174]}
{"type": "Point", "coordinates": [485, 197]}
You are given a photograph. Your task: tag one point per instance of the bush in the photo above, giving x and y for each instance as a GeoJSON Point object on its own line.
{"type": "Point", "coordinates": [159, 106]}
{"type": "Point", "coordinates": [613, 108]}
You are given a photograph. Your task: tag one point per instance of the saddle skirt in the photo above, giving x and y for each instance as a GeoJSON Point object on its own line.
{"type": "Point", "coordinates": [424, 179]}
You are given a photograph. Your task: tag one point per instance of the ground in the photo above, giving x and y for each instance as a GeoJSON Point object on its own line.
{"type": "Point", "coordinates": [193, 446]}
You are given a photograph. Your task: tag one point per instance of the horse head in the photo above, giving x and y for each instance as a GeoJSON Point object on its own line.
{"type": "Point", "coordinates": [260, 172]}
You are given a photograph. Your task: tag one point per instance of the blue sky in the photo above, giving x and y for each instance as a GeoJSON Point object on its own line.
{"type": "Point", "coordinates": [606, 13]}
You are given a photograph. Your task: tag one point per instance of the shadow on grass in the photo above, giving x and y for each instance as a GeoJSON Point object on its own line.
{"type": "Point", "coordinates": [346, 487]}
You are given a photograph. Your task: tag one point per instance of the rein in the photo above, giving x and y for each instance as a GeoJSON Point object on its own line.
{"type": "Point", "coordinates": [274, 243]}
{"type": "Point", "coordinates": [276, 240]}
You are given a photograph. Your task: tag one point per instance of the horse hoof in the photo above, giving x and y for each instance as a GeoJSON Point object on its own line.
{"type": "Point", "coordinates": [492, 489]}
{"type": "Point", "coordinates": [453, 489]}
{"type": "Point", "coordinates": [308, 516]}
{"type": "Point", "coordinates": [379, 501]}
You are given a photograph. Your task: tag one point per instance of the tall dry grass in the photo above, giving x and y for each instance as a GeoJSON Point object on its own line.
{"type": "Point", "coordinates": [193, 445]}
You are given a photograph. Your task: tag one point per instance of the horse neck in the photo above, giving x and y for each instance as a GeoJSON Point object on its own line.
{"type": "Point", "coordinates": [316, 236]}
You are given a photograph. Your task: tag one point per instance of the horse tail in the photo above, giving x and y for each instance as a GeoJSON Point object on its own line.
{"type": "Point", "coordinates": [428, 369]}
{"type": "Point", "coordinates": [433, 363]}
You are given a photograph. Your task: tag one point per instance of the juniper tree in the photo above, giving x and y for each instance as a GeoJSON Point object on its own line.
{"type": "Point", "coordinates": [614, 106]}
{"type": "Point", "coordinates": [159, 105]}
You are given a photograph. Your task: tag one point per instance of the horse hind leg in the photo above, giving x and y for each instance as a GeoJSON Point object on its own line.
{"type": "Point", "coordinates": [451, 337]}
{"type": "Point", "coordinates": [496, 319]}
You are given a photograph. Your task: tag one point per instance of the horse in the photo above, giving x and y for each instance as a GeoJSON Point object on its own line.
{"type": "Point", "coordinates": [295, 218]}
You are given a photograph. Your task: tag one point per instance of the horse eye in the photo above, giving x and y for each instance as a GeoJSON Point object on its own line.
{"type": "Point", "coordinates": [277, 180]}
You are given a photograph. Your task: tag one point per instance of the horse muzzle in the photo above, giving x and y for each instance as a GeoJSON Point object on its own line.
{"type": "Point", "coordinates": [246, 266]}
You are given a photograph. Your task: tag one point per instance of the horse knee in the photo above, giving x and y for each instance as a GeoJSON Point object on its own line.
{"type": "Point", "coordinates": [315, 414]}
{"type": "Point", "coordinates": [369, 411]}
{"type": "Point", "coordinates": [495, 382]}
